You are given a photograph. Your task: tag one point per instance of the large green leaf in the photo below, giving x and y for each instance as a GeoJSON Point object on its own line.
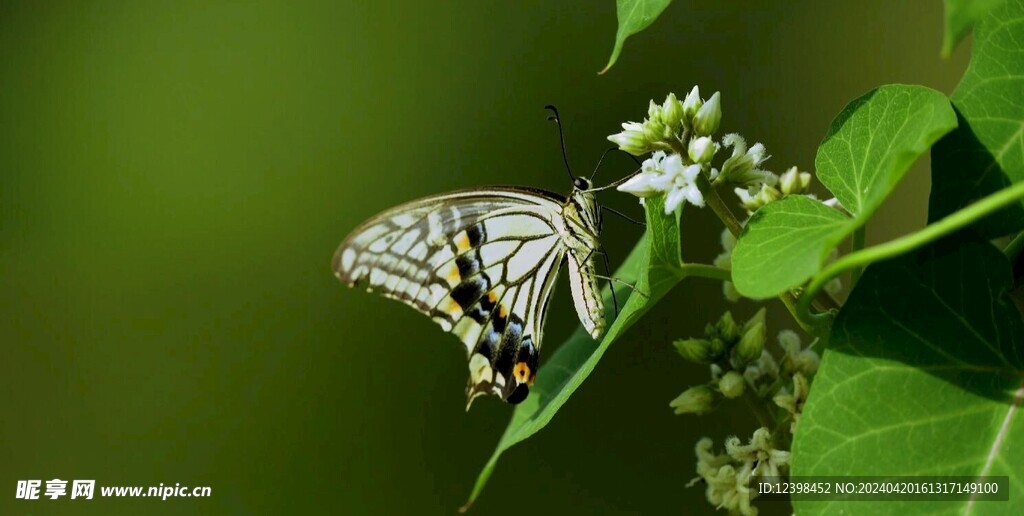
{"type": "Point", "coordinates": [873, 142]}
{"type": "Point", "coordinates": [867, 150]}
{"type": "Point", "coordinates": [923, 376]}
{"type": "Point", "coordinates": [961, 15]}
{"type": "Point", "coordinates": [986, 152]}
{"type": "Point", "coordinates": [654, 264]}
{"type": "Point", "coordinates": [634, 16]}
{"type": "Point", "coordinates": [784, 244]}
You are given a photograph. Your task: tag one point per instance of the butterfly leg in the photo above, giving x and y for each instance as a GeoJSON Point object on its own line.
{"type": "Point", "coordinates": [624, 216]}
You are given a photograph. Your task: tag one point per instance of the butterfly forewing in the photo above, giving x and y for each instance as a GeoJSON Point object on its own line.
{"type": "Point", "coordinates": [481, 263]}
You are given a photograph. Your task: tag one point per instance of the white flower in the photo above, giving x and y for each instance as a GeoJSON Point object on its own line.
{"type": "Point", "coordinates": [666, 174]}
{"type": "Point", "coordinates": [741, 169]}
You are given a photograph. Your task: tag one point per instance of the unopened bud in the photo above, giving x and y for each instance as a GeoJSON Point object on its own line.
{"type": "Point", "coordinates": [695, 400]}
{"type": "Point", "coordinates": [727, 327]}
{"type": "Point", "coordinates": [706, 121]}
{"type": "Point", "coordinates": [702, 149]}
{"type": "Point", "coordinates": [691, 104]}
{"type": "Point", "coordinates": [750, 346]}
{"type": "Point", "coordinates": [794, 182]}
{"type": "Point", "coordinates": [731, 384]}
{"type": "Point", "coordinates": [694, 350]}
{"type": "Point", "coordinates": [672, 113]}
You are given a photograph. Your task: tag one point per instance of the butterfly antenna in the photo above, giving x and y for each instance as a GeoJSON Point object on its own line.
{"type": "Point", "coordinates": [561, 138]}
{"type": "Point", "coordinates": [601, 160]}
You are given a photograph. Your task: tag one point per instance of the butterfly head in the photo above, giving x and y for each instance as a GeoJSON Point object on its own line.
{"type": "Point", "coordinates": [581, 183]}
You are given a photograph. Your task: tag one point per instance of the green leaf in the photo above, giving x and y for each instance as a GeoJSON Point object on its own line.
{"type": "Point", "coordinates": [986, 153]}
{"type": "Point", "coordinates": [784, 244]}
{"type": "Point", "coordinates": [868, 149]}
{"type": "Point", "coordinates": [655, 266]}
{"type": "Point", "coordinates": [875, 139]}
{"type": "Point", "coordinates": [634, 16]}
{"type": "Point", "coordinates": [961, 15]}
{"type": "Point", "coordinates": [923, 376]}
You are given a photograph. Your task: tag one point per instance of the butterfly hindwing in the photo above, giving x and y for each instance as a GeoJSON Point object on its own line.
{"type": "Point", "coordinates": [480, 263]}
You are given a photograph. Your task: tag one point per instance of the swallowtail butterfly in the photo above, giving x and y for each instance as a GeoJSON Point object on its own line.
{"type": "Point", "coordinates": [482, 264]}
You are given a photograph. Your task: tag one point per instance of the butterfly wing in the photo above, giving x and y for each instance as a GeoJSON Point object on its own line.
{"type": "Point", "coordinates": [481, 263]}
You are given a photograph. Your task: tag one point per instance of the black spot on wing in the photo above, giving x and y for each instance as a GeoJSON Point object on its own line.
{"type": "Point", "coordinates": [518, 394]}
{"type": "Point", "coordinates": [508, 350]}
{"type": "Point", "coordinates": [477, 234]}
{"type": "Point", "coordinates": [528, 353]}
{"type": "Point", "coordinates": [468, 263]}
{"type": "Point", "coordinates": [470, 291]}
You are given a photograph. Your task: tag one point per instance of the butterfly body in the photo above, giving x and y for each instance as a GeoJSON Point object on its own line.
{"type": "Point", "coordinates": [482, 264]}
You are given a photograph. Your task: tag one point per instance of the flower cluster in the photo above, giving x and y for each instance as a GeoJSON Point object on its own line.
{"type": "Point", "coordinates": [681, 136]}
{"type": "Point", "coordinates": [729, 348]}
{"type": "Point", "coordinates": [741, 366]}
{"type": "Point", "coordinates": [728, 475]}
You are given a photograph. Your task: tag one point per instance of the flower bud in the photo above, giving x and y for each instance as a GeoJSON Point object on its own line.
{"type": "Point", "coordinates": [717, 348]}
{"type": "Point", "coordinates": [631, 139]}
{"type": "Point", "coordinates": [752, 203]}
{"type": "Point", "coordinates": [727, 328]}
{"type": "Point", "coordinates": [695, 400]}
{"type": "Point", "coordinates": [702, 149]}
{"type": "Point", "coordinates": [653, 111]}
{"type": "Point", "coordinates": [655, 130]}
{"type": "Point", "coordinates": [694, 350]}
{"type": "Point", "coordinates": [691, 104]}
{"type": "Point", "coordinates": [706, 121]}
{"type": "Point", "coordinates": [750, 346]}
{"type": "Point", "coordinates": [731, 385]}
{"type": "Point", "coordinates": [758, 317]}
{"type": "Point", "coordinates": [794, 182]}
{"type": "Point", "coordinates": [672, 113]}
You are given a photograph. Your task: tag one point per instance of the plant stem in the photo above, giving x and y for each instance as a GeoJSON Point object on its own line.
{"type": "Point", "coordinates": [858, 243]}
{"type": "Point", "coordinates": [757, 406]}
{"type": "Point", "coordinates": [718, 205]}
{"type": "Point", "coordinates": [906, 243]}
{"type": "Point", "coordinates": [1015, 247]}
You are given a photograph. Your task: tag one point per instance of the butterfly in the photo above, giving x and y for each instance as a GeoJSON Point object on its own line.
{"type": "Point", "coordinates": [482, 263]}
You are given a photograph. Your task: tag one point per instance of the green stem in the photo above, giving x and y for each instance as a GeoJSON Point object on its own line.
{"type": "Point", "coordinates": [813, 325]}
{"type": "Point", "coordinates": [858, 244]}
{"type": "Point", "coordinates": [1015, 247]}
{"type": "Point", "coordinates": [718, 205]}
{"type": "Point", "coordinates": [703, 270]}
{"type": "Point", "coordinates": [907, 243]}
{"type": "Point", "coordinates": [757, 406]}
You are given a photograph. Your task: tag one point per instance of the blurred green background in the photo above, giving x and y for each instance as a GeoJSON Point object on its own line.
{"type": "Point", "coordinates": [176, 176]}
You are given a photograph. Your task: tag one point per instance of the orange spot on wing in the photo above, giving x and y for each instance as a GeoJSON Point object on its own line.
{"type": "Point", "coordinates": [453, 308]}
{"type": "Point", "coordinates": [462, 241]}
{"type": "Point", "coordinates": [502, 311]}
{"type": "Point", "coordinates": [522, 372]}
{"type": "Point", "coordinates": [492, 297]}
{"type": "Point", "coordinates": [453, 275]}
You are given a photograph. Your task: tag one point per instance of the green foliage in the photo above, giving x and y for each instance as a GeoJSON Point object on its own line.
{"type": "Point", "coordinates": [961, 15]}
{"type": "Point", "coordinates": [923, 376]}
{"type": "Point", "coordinates": [875, 139]}
{"type": "Point", "coordinates": [634, 16]}
{"type": "Point", "coordinates": [785, 243]}
{"type": "Point", "coordinates": [655, 265]}
{"type": "Point", "coordinates": [868, 149]}
{"type": "Point", "coordinates": [986, 152]}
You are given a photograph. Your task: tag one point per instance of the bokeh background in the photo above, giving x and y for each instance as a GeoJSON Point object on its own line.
{"type": "Point", "coordinates": [174, 177]}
